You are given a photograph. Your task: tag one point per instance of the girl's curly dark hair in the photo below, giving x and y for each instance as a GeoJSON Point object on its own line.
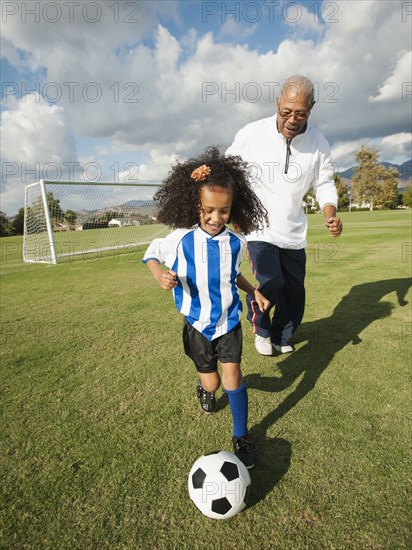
{"type": "Point", "coordinates": [178, 199]}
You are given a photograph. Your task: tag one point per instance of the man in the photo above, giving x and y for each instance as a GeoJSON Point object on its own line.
{"type": "Point", "coordinates": [289, 158]}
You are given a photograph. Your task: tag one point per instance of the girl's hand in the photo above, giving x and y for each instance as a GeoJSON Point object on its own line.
{"type": "Point", "coordinates": [167, 279]}
{"type": "Point", "coordinates": [262, 302]}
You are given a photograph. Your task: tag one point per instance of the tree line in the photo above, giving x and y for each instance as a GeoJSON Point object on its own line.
{"type": "Point", "coordinates": [376, 185]}
{"type": "Point", "coordinates": [372, 184]}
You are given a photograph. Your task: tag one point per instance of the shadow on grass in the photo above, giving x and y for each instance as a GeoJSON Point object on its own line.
{"type": "Point", "coordinates": [273, 461]}
{"type": "Point", "coordinates": [325, 337]}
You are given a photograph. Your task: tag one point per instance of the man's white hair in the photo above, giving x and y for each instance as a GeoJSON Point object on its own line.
{"type": "Point", "coordinates": [301, 84]}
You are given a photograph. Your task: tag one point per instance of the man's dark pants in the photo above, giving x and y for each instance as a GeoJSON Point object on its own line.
{"type": "Point", "coordinates": [280, 273]}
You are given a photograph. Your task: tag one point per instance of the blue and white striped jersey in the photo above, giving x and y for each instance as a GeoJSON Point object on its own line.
{"type": "Point", "coordinates": [207, 268]}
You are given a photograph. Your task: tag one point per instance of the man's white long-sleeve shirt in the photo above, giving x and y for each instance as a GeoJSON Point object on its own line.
{"type": "Point", "coordinates": [310, 167]}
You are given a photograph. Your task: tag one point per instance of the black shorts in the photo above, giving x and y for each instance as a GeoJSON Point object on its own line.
{"type": "Point", "coordinates": [205, 354]}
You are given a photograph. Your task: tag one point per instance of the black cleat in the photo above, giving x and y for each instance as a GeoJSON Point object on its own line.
{"type": "Point", "coordinates": [243, 448]}
{"type": "Point", "coordinates": [207, 399]}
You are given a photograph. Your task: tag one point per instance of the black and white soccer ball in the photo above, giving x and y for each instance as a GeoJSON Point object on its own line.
{"type": "Point", "coordinates": [219, 485]}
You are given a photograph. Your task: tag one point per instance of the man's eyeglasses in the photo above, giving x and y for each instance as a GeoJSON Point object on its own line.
{"type": "Point", "coordinates": [297, 115]}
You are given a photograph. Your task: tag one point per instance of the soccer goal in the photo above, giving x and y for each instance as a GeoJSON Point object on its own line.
{"type": "Point", "coordinates": [64, 219]}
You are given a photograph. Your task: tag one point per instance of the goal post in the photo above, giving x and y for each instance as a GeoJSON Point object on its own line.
{"type": "Point", "coordinates": [64, 219]}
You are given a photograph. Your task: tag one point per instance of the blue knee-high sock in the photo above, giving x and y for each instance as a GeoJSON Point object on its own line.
{"type": "Point", "coordinates": [238, 405]}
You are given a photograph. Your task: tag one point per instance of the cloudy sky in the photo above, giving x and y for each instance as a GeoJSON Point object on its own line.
{"type": "Point", "coordinates": [118, 89]}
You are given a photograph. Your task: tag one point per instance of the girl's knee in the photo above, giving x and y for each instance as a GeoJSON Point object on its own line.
{"type": "Point", "coordinates": [210, 381]}
{"type": "Point", "coordinates": [232, 377]}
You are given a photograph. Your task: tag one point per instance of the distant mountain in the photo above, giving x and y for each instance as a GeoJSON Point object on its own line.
{"type": "Point", "coordinates": [405, 170]}
{"type": "Point", "coordinates": [127, 208]}
{"type": "Point", "coordinates": [137, 203]}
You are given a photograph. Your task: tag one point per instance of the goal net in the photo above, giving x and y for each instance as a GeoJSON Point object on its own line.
{"type": "Point", "coordinates": [65, 219]}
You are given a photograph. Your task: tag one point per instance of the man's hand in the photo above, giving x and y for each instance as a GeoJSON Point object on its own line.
{"type": "Point", "coordinates": [332, 222]}
{"type": "Point", "coordinates": [334, 225]}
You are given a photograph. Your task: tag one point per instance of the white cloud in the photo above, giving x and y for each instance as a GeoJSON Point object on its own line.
{"type": "Point", "coordinates": [396, 145]}
{"type": "Point", "coordinates": [189, 40]}
{"type": "Point", "coordinates": [394, 88]}
{"type": "Point", "coordinates": [232, 28]}
{"type": "Point", "coordinates": [167, 51]}
{"type": "Point", "coordinates": [36, 143]}
{"type": "Point", "coordinates": [155, 170]}
{"type": "Point", "coordinates": [344, 154]}
{"type": "Point", "coordinates": [34, 131]}
{"type": "Point", "coordinates": [303, 21]}
{"type": "Point", "coordinates": [94, 28]}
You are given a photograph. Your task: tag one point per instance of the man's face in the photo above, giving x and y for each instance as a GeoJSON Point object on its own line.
{"type": "Point", "coordinates": [293, 112]}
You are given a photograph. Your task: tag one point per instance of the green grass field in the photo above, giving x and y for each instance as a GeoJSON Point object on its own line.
{"type": "Point", "coordinates": [101, 424]}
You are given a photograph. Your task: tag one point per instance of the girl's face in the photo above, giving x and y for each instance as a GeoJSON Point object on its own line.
{"type": "Point", "coordinates": [215, 205]}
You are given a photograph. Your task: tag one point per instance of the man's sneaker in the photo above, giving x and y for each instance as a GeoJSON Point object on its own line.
{"type": "Point", "coordinates": [243, 448]}
{"type": "Point", "coordinates": [207, 399]}
{"type": "Point", "coordinates": [283, 349]}
{"type": "Point", "coordinates": [263, 345]}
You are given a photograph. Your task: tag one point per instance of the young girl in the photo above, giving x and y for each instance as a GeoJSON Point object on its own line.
{"type": "Point", "coordinates": [198, 199]}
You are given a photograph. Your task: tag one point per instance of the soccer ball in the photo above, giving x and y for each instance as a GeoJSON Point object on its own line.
{"type": "Point", "coordinates": [219, 485]}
